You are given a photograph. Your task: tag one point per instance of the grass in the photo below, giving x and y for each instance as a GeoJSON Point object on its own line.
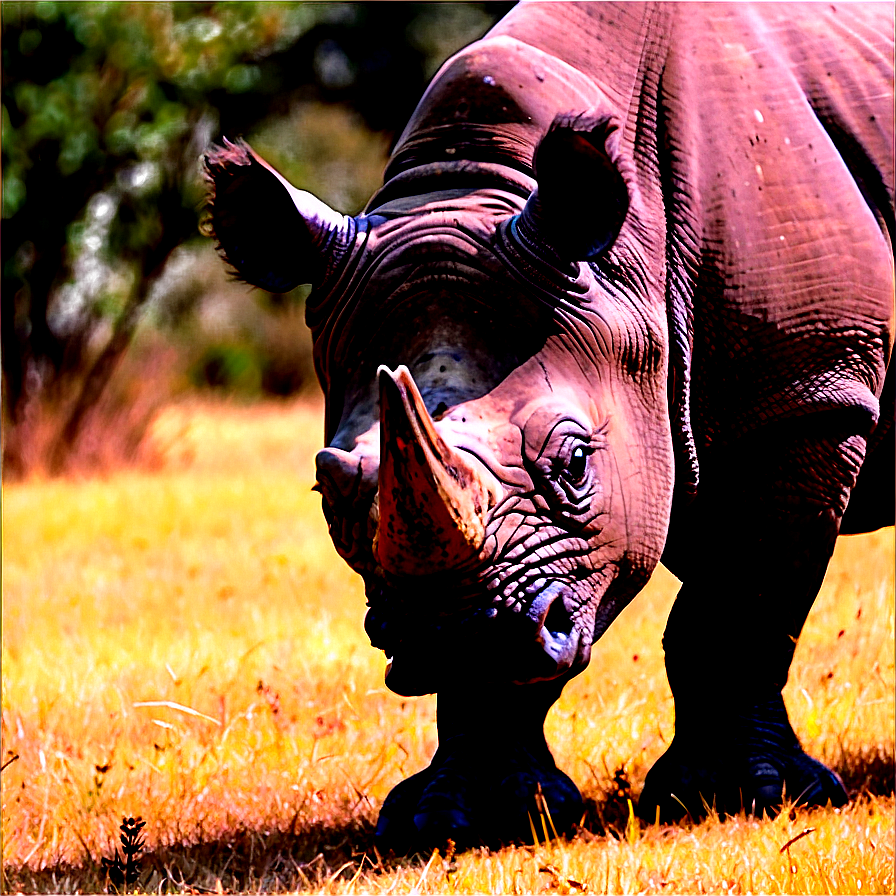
{"type": "Point", "coordinates": [184, 645]}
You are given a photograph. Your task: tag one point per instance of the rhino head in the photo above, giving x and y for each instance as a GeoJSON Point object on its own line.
{"type": "Point", "coordinates": [492, 348]}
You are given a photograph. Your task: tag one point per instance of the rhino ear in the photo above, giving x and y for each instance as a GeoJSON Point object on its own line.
{"type": "Point", "coordinates": [581, 200]}
{"type": "Point", "coordinates": [274, 235]}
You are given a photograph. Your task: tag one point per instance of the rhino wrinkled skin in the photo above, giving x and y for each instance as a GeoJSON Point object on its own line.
{"type": "Point", "coordinates": [625, 296]}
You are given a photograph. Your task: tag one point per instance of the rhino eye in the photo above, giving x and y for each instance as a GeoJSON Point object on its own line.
{"type": "Point", "coordinates": [577, 468]}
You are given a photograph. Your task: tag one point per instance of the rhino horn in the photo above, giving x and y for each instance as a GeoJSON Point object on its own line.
{"type": "Point", "coordinates": [582, 199]}
{"type": "Point", "coordinates": [274, 235]}
{"type": "Point", "coordinates": [432, 498]}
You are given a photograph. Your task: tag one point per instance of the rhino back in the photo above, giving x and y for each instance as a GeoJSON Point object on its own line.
{"type": "Point", "coordinates": [495, 99]}
{"type": "Point", "coordinates": [778, 134]}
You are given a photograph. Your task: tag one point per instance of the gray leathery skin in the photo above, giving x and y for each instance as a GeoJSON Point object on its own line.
{"type": "Point", "coordinates": [621, 298]}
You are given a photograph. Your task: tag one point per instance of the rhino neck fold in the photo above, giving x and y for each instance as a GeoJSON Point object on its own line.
{"type": "Point", "coordinates": [440, 176]}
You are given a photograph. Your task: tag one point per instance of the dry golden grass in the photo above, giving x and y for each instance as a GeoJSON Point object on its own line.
{"type": "Point", "coordinates": [185, 645]}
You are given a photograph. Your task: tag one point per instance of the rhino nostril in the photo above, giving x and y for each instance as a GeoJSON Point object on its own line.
{"type": "Point", "coordinates": [548, 610]}
{"type": "Point", "coordinates": [558, 621]}
{"type": "Point", "coordinates": [559, 639]}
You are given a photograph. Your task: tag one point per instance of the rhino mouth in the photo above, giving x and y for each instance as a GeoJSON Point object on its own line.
{"type": "Point", "coordinates": [468, 639]}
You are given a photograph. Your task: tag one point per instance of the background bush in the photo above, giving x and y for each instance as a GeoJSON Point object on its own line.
{"type": "Point", "coordinates": [107, 108]}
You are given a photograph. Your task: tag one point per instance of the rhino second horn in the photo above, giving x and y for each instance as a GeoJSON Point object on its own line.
{"type": "Point", "coordinates": [432, 499]}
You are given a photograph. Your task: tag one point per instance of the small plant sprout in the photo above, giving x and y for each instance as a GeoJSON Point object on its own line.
{"type": "Point", "coordinates": [126, 872]}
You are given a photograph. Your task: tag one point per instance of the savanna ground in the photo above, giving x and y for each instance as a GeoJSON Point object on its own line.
{"type": "Point", "coordinates": [184, 645]}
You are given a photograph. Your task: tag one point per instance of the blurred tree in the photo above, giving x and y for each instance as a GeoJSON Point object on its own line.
{"type": "Point", "coordinates": [106, 110]}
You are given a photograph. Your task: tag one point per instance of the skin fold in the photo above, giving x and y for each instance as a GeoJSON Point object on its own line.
{"type": "Point", "coordinates": [620, 300]}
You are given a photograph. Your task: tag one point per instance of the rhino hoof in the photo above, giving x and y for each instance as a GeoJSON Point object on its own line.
{"type": "Point", "coordinates": [814, 784]}
{"type": "Point", "coordinates": [555, 810]}
{"type": "Point", "coordinates": [457, 799]}
{"type": "Point", "coordinates": [396, 830]}
{"type": "Point", "coordinates": [677, 786]}
{"type": "Point", "coordinates": [436, 827]}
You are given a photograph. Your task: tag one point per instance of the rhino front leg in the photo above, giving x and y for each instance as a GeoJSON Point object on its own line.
{"type": "Point", "coordinates": [480, 787]}
{"type": "Point", "coordinates": [756, 555]}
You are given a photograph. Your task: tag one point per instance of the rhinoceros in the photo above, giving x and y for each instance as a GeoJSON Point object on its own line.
{"type": "Point", "coordinates": [625, 296]}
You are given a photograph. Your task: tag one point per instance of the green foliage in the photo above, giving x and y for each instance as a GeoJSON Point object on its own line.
{"type": "Point", "coordinates": [131, 112]}
{"type": "Point", "coordinates": [233, 367]}
{"type": "Point", "coordinates": [106, 109]}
